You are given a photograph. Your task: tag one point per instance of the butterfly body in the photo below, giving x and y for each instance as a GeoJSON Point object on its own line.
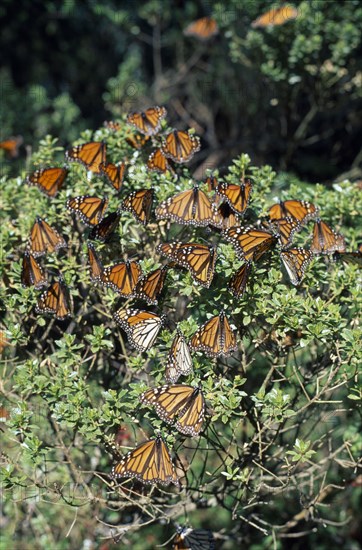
{"type": "Point", "coordinates": [44, 238]}
{"type": "Point", "coordinates": [148, 122]}
{"type": "Point", "coordinates": [122, 277]}
{"type": "Point", "coordinates": [197, 258]}
{"type": "Point", "coordinates": [32, 273]}
{"type": "Point", "coordinates": [179, 361]}
{"type": "Point", "coordinates": [91, 155]}
{"type": "Point", "coordinates": [214, 337]}
{"type": "Point", "coordinates": [183, 406]}
{"type": "Point", "coordinates": [180, 146]}
{"type": "Point", "coordinates": [55, 300]}
{"type": "Point", "coordinates": [141, 327]}
{"type": "Point", "coordinates": [150, 463]}
{"type": "Point", "coordinates": [188, 207]}
{"type": "Point", "coordinates": [326, 240]}
{"type": "Point", "coordinates": [48, 180]}
{"type": "Point", "coordinates": [89, 209]}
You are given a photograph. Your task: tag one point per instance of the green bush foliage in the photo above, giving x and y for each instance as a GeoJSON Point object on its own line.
{"type": "Point", "coordinates": [277, 460]}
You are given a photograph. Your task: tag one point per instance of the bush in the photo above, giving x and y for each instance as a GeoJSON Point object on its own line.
{"type": "Point", "coordinates": [278, 456]}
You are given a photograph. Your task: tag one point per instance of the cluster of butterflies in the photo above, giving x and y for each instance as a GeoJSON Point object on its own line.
{"type": "Point", "coordinates": [182, 406]}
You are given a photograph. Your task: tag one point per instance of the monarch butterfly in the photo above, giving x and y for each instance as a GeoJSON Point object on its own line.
{"type": "Point", "coordinates": [140, 326]}
{"type": "Point", "coordinates": [276, 16]}
{"type": "Point", "coordinates": [122, 277]}
{"type": "Point", "coordinates": [183, 406]}
{"type": "Point", "coordinates": [199, 259]}
{"type": "Point", "coordinates": [296, 261]}
{"type": "Point", "coordinates": [104, 229]}
{"type": "Point", "coordinates": [203, 29]}
{"type": "Point", "coordinates": [137, 141]}
{"type": "Point", "coordinates": [96, 266]}
{"type": "Point", "coordinates": [150, 463]}
{"type": "Point", "coordinates": [350, 257]}
{"type": "Point", "coordinates": [250, 243]}
{"type": "Point", "coordinates": [215, 337]}
{"type": "Point", "coordinates": [180, 146]}
{"type": "Point", "coordinates": [44, 238]}
{"type": "Point", "coordinates": [158, 162]}
{"type": "Point", "coordinates": [150, 286]}
{"type": "Point", "coordinates": [112, 125]}
{"type": "Point", "coordinates": [239, 280]}
{"type": "Point", "coordinates": [139, 203]}
{"type": "Point", "coordinates": [237, 196]}
{"type": "Point", "coordinates": [90, 209]}
{"type": "Point", "coordinates": [113, 172]}
{"type": "Point", "coordinates": [49, 180]}
{"type": "Point", "coordinates": [326, 240]}
{"type": "Point", "coordinates": [211, 183]}
{"type": "Point", "coordinates": [189, 208]}
{"type": "Point", "coordinates": [302, 211]}
{"type": "Point", "coordinates": [148, 122]}
{"type": "Point", "coordinates": [11, 146]}
{"type": "Point", "coordinates": [4, 342]}
{"type": "Point", "coordinates": [55, 300]}
{"type": "Point", "coordinates": [225, 217]}
{"type": "Point", "coordinates": [193, 539]}
{"type": "Point", "coordinates": [286, 229]}
{"type": "Point", "coordinates": [90, 154]}
{"type": "Point", "coordinates": [179, 361]}
{"type": "Point", "coordinates": [32, 273]}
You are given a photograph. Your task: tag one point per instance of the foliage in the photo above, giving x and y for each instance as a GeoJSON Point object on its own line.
{"type": "Point", "coordinates": [289, 95]}
{"type": "Point", "coordinates": [279, 454]}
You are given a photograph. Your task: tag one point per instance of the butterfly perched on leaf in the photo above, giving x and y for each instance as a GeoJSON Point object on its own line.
{"type": "Point", "coordinates": [137, 141]}
{"type": "Point", "coordinates": [105, 228]}
{"type": "Point", "coordinates": [286, 227]}
{"type": "Point", "coordinates": [150, 463]}
{"type": "Point", "coordinates": [11, 146]}
{"type": "Point", "coordinates": [302, 211]}
{"type": "Point", "coordinates": [225, 217]}
{"type": "Point", "coordinates": [180, 405]}
{"type": "Point", "coordinates": [114, 173]}
{"type": "Point", "coordinates": [215, 337]}
{"type": "Point", "coordinates": [139, 203]}
{"type": "Point", "coordinates": [193, 539]}
{"type": "Point", "coordinates": [250, 243]}
{"type": "Point", "coordinates": [55, 300]}
{"type": "Point", "coordinates": [179, 360]}
{"type": "Point", "coordinates": [44, 238]}
{"type": "Point", "coordinates": [112, 125]}
{"type": "Point", "coordinates": [203, 29]}
{"type": "Point", "coordinates": [95, 264]}
{"type": "Point", "coordinates": [180, 146]}
{"type": "Point", "coordinates": [237, 196]}
{"type": "Point", "coordinates": [48, 180]}
{"type": "Point", "coordinates": [326, 240]}
{"type": "Point", "coordinates": [191, 207]}
{"type": "Point", "coordinates": [141, 327]}
{"type": "Point", "coordinates": [150, 286]}
{"type": "Point", "coordinates": [199, 259]}
{"type": "Point", "coordinates": [32, 273]}
{"type": "Point", "coordinates": [91, 155]}
{"type": "Point", "coordinates": [296, 261]}
{"type": "Point", "coordinates": [148, 122]}
{"type": "Point", "coordinates": [239, 280]}
{"type": "Point", "coordinates": [89, 209]}
{"type": "Point", "coordinates": [275, 17]}
{"type": "Point", "coordinates": [158, 162]}
{"type": "Point", "coordinates": [122, 277]}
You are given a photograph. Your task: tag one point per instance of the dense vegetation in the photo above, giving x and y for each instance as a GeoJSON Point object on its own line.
{"type": "Point", "coordinates": [278, 458]}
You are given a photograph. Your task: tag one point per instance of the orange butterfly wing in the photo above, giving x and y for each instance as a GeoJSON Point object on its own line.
{"type": "Point", "coordinates": [250, 243]}
{"type": "Point", "coordinates": [91, 155]}
{"type": "Point", "coordinates": [239, 280]}
{"type": "Point", "coordinates": [237, 196]}
{"type": "Point", "coordinates": [326, 240]}
{"type": "Point", "coordinates": [148, 122]}
{"type": "Point", "coordinates": [180, 146]}
{"type": "Point", "coordinates": [122, 277]}
{"type": "Point", "coordinates": [114, 173]}
{"type": "Point", "coordinates": [150, 286]}
{"type": "Point", "coordinates": [158, 162]}
{"type": "Point", "coordinates": [199, 259]}
{"type": "Point", "coordinates": [32, 273]}
{"type": "Point", "coordinates": [104, 229]}
{"type": "Point", "coordinates": [296, 261]}
{"type": "Point", "coordinates": [95, 264]}
{"type": "Point", "coordinates": [139, 203]}
{"type": "Point", "coordinates": [188, 207]}
{"type": "Point", "coordinates": [55, 300]}
{"type": "Point", "coordinates": [215, 337]}
{"type": "Point", "coordinates": [48, 180]}
{"type": "Point", "coordinates": [44, 238]}
{"type": "Point", "coordinates": [90, 209]}
{"type": "Point", "coordinates": [301, 211]}
{"type": "Point", "coordinates": [277, 16]}
{"type": "Point", "coordinates": [202, 29]}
